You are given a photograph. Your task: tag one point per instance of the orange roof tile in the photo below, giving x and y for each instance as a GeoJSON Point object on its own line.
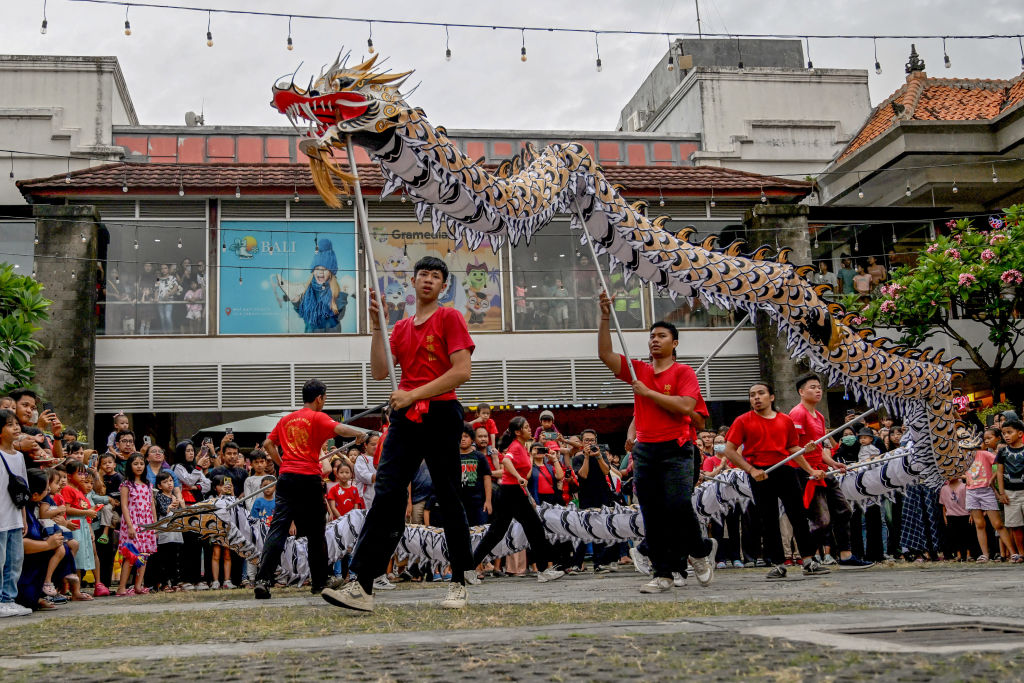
{"type": "Point", "coordinates": [939, 99]}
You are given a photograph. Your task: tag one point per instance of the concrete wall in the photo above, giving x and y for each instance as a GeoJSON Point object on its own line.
{"type": "Point", "coordinates": [65, 106]}
{"type": "Point", "coordinates": [66, 365]}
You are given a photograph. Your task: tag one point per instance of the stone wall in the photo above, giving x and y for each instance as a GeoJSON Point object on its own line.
{"type": "Point", "coordinates": [785, 226]}
{"type": "Point", "coordinates": [66, 266]}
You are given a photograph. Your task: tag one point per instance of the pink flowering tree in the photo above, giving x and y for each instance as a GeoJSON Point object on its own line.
{"type": "Point", "coordinates": [975, 272]}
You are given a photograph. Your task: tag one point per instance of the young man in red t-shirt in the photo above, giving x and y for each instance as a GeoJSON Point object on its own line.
{"type": "Point", "coordinates": [434, 350]}
{"type": "Point", "coordinates": [767, 438]}
{"type": "Point", "coordinates": [300, 488]}
{"type": "Point", "coordinates": [667, 401]}
{"type": "Point", "coordinates": [826, 505]}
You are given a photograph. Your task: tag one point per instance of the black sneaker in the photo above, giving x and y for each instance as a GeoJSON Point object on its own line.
{"type": "Point", "coordinates": [760, 563]}
{"type": "Point", "coordinates": [776, 573]}
{"type": "Point", "coordinates": [602, 569]}
{"type": "Point", "coordinates": [316, 590]}
{"type": "Point", "coordinates": [854, 562]}
{"type": "Point", "coordinates": [261, 591]}
{"type": "Point", "coordinates": [812, 568]}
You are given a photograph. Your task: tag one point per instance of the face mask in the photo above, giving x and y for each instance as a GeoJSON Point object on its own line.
{"type": "Point", "coordinates": [849, 440]}
{"type": "Point", "coordinates": [719, 448]}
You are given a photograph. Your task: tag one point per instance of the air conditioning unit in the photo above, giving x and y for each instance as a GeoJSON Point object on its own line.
{"type": "Point", "coordinates": [637, 120]}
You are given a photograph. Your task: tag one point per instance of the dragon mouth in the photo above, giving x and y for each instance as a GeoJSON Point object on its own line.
{"type": "Point", "coordinates": [318, 114]}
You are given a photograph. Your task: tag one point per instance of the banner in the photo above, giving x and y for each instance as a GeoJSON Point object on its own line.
{"type": "Point", "coordinates": [288, 278]}
{"type": "Point", "coordinates": [474, 281]}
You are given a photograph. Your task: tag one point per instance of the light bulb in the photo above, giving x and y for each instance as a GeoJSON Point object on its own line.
{"type": "Point", "coordinates": [522, 54]}
{"type": "Point", "coordinates": [369, 45]}
{"type": "Point", "coordinates": [403, 199]}
{"type": "Point", "coordinates": [713, 203]}
{"type": "Point", "coordinates": [124, 188]}
{"type": "Point", "coordinates": [671, 66]}
{"type": "Point", "coordinates": [878, 67]}
{"type": "Point", "coordinates": [810, 64]}
{"type": "Point", "coordinates": [995, 178]}
{"type": "Point", "coordinates": [348, 202]}
{"type": "Point", "coordinates": [271, 249]}
{"type": "Point", "coordinates": [447, 54]}
{"type": "Point", "coordinates": [181, 191]}
{"type": "Point", "coordinates": [36, 239]}
{"type": "Point", "coordinates": [955, 188]}
{"type": "Point", "coordinates": [860, 194]}
{"type": "Point", "coordinates": [84, 238]}
{"type": "Point", "coordinates": [291, 46]}
{"type": "Point", "coordinates": [209, 39]}
{"type": "Point", "coordinates": [239, 279]}
{"type": "Point", "coordinates": [599, 64]}
{"type": "Point", "coordinates": [908, 190]}
{"type": "Point", "coordinates": [179, 243]}
{"type": "Point", "coordinates": [946, 61]}
{"type": "Point", "coordinates": [73, 275]}
{"type": "Point", "coordinates": [117, 279]}
{"type": "Point", "coordinates": [33, 272]}
{"type": "Point", "coordinates": [67, 179]}
{"type": "Point", "coordinates": [135, 245]}
{"type": "Point", "coordinates": [764, 198]}
{"type": "Point", "coordinates": [661, 202]}
{"type": "Point", "coordinates": [42, 27]}
{"type": "Point", "coordinates": [296, 197]}
{"type": "Point", "coordinates": [127, 27]}
{"type": "Point", "coordinates": [238, 191]}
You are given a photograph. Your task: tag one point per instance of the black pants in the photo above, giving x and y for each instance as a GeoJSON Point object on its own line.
{"type": "Point", "coordinates": [300, 499]}
{"type": "Point", "coordinates": [829, 514]}
{"type": "Point", "coordinates": [518, 506]}
{"type": "Point", "coordinates": [782, 485]}
{"type": "Point", "coordinates": [168, 556]}
{"type": "Point", "coordinates": [436, 440]}
{"type": "Point", "coordinates": [728, 548]}
{"type": "Point", "coordinates": [106, 552]}
{"type": "Point", "coordinates": [191, 558]}
{"type": "Point", "coordinates": [959, 533]}
{"type": "Point", "coordinates": [663, 481]}
{"type": "Point", "coordinates": [750, 527]}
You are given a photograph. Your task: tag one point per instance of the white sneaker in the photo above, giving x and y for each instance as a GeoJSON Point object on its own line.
{"type": "Point", "coordinates": [215, 586]}
{"type": "Point", "coordinates": [187, 587]}
{"type": "Point", "coordinates": [678, 580]}
{"type": "Point", "coordinates": [471, 577]}
{"type": "Point", "coordinates": [456, 598]}
{"type": "Point", "coordinates": [351, 596]}
{"type": "Point", "coordinates": [658, 584]}
{"type": "Point", "coordinates": [11, 609]}
{"type": "Point", "coordinates": [19, 610]}
{"type": "Point", "coordinates": [641, 562]}
{"type": "Point", "coordinates": [828, 560]}
{"type": "Point", "coordinates": [202, 586]}
{"type": "Point", "coordinates": [549, 574]}
{"type": "Point", "coordinates": [381, 583]}
{"type": "Point", "coordinates": [704, 567]}
{"type": "Point", "coordinates": [227, 585]}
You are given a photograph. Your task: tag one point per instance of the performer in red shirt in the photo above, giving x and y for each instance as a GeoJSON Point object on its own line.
{"type": "Point", "coordinates": [300, 489]}
{"type": "Point", "coordinates": [434, 350]}
{"type": "Point", "coordinates": [667, 398]}
{"type": "Point", "coordinates": [767, 438]}
{"type": "Point", "coordinates": [827, 508]}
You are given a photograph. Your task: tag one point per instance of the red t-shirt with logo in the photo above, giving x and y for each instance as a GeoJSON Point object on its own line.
{"type": "Point", "coordinates": [73, 498]}
{"type": "Point", "coordinates": [765, 441]}
{"type": "Point", "coordinates": [300, 436]}
{"type": "Point", "coordinates": [809, 428]}
{"type": "Point", "coordinates": [424, 350]}
{"type": "Point", "coordinates": [346, 498]}
{"type": "Point", "coordinates": [654, 423]}
{"type": "Point", "coordinates": [520, 461]}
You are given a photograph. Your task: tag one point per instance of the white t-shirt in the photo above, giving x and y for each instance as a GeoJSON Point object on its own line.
{"type": "Point", "coordinates": [10, 516]}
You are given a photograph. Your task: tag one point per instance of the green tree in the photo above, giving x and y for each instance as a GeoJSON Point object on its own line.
{"type": "Point", "coordinates": [973, 273]}
{"type": "Point", "coordinates": [22, 308]}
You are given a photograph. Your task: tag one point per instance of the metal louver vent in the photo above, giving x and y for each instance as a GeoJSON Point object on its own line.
{"type": "Point", "coordinates": [388, 209]}
{"type": "Point", "coordinates": [596, 384]}
{"type": "Point", "coordinates": [185, 387]}
{"type": "Point", "coordinates": [539, 381]}
{"type": "Point", "coordinates": [251, 208]}
{"type": "Point", "coordinates": [485, 385]}
{"type": "Point", "coordinates": [344, 382]}
{"type": "Point", "coordinates": [731, 209]}
{"type": "Point", "coordinates": [121, 388]}
{"type": "Point", "coordinates": [172, 209]}
{"type": "Point", "coordinates": [731, 377]}
{"type": "Point", "coordinates": [677, 210]}
{"type": "Point", "coordinates": [314, 208]}
{"type": "Point", "coordinates": [377, 392]}
{"type": "Point", "coordinates": [111, 209]}
{"type": "Point", "coordinates": [267, 387]}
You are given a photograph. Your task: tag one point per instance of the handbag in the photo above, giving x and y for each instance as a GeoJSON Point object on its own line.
{"type": "Point", "coordinates": [16, 487]}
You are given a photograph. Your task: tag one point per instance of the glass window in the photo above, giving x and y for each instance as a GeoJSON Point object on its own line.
{"type": "Point", "coordinates": [555, 285]}
{"type": "Point", "coordinates": [18, 248]}
{"type": "Point", "coordinates": [155, 278]}
{"type": "Point", "coordinates": [841, 252]}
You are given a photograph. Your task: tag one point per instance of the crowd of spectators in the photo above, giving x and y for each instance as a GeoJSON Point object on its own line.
{"type": "Point", "coordinates": [76, 532]}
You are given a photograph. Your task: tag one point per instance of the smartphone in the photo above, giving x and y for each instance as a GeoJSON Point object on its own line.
{"type": "Point", "coordinates": [47, 407]}
{"type": "Point", "coordinates": [146, 440]}
{"type": "Point", "coordinates": [207, 441]}
{"type": "Point", "coordinates": [229, 430]}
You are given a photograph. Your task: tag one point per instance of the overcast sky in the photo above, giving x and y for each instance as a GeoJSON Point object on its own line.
{"type": "Point", "coordinates": [170, 70]}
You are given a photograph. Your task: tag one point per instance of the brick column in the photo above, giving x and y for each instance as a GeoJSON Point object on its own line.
{"type": "Point", "coordinates": [786, 225]}
{"type": "Point", "coordinates": [66, 366]}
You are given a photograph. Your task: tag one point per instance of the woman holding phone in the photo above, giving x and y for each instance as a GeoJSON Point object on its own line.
{"type": "Point", "coordinates": [515, 502]}
{"type": "Point", "coordinates": [191, 472]}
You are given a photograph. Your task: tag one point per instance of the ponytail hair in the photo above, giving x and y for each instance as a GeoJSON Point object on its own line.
{"type": "Point", "coordinates": [509, 435]}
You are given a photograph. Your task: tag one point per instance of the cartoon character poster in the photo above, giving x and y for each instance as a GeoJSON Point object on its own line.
{"type": "Point", "coordinates": [474, 281]}
{"type": "Point", "coordinates": [288, 278]}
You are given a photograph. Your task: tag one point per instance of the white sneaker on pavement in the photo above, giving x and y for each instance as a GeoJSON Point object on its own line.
{"type": "Point", "coordinates": [215, 586]}
{"type": "Point", "coordinates": [351, 596]}
{"type": "Point", "coordinates": [471, 577]}
{"type": "Point", "coordinates": [456, 598]}
{"type": "Point", "coordinates": [549, 574]}
{"type": "Point", "coordinates": [678, 580]}
{"type": "Point", "coordinates": [13, 609]}
{"type": "Point", "coordinates": [659, 584]}
{"type": "Point", "coordinates": [641, 562]}
{"type": "Point", "coordinates": [227, 585]}
{"type": "Point", "coordinates": [704, 567]}
{"type": "Point", "coordinates": [381, 583]}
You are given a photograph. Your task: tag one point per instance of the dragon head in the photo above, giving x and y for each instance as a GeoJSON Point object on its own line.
{"type": "Point", "coordinates": [357, 101]}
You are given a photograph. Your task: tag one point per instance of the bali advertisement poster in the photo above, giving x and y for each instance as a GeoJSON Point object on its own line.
{"type": "Point", "coordinates": [474, 281]}
{"type": "Point", "coordinates": [288, 278]}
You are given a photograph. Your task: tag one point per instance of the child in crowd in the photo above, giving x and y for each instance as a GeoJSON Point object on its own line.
{"type": "Point", "coordinates": [168, 543]}
{"type": "Point", "coordinates": [867, 449]}
{"type": "Point", "coordinates": [344, 497]}
{"type": "Point", "coordinates": [137, 510]}
{"type": "Point", "coordinates": [120, 425]}
{"type": "Point", "coordinates": [108, 517]}
{"type": "Point", "coordinates": [953, 497]}
{"type": "Point", "coordinates": [258, 462]}
{"type": "Point", "coordinates": [1010, 482]}
{"type": "Point", "coordinates": [49, 513]}
{"type": "Point", "coordinates": [547, 431]}
{"type": "Point", "coordinates": [220, 553]}
{"type": "Point", "coordinates": [982, 502]}
{"type": "Point", "coordinates": [333, 478]}
{"type": "Point", "coordinates": [13, 518]}
{"type": "Point", "coordinates": [483, 419]}
{"type": "Point", "coordinates": [263, 507]}
{"type": "Point", "coordinates": [77, 507]}
{"type": "Point", "coordinates": [96, 493]}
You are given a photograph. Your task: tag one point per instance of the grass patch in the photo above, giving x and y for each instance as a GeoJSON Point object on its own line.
{"type": "Point", "coordinates": [257, 624]}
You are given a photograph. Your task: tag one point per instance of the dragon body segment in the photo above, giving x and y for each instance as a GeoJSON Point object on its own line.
{"type": "Point", "coordinates": [524, 193]}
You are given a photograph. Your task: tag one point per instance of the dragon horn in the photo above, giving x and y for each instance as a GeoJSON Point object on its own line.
{"type": "Point", "coordinates": [368, 64]}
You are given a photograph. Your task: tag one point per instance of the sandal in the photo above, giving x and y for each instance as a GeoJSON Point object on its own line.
{"type": "Point", "coordinates": [982, 559]}
{"type": "Point", "coordinates": [49, 589]}
{"type": "Point", "coordinates": [141, 590]}
{"type": "Point", "coordinates": [122, 594]}
{"type": "Point", "coordinates": [46, 604]}
{"type": "Point", "coordinates": [168, 589]}
{"type": "Point", "coordinates": [82, 597]}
